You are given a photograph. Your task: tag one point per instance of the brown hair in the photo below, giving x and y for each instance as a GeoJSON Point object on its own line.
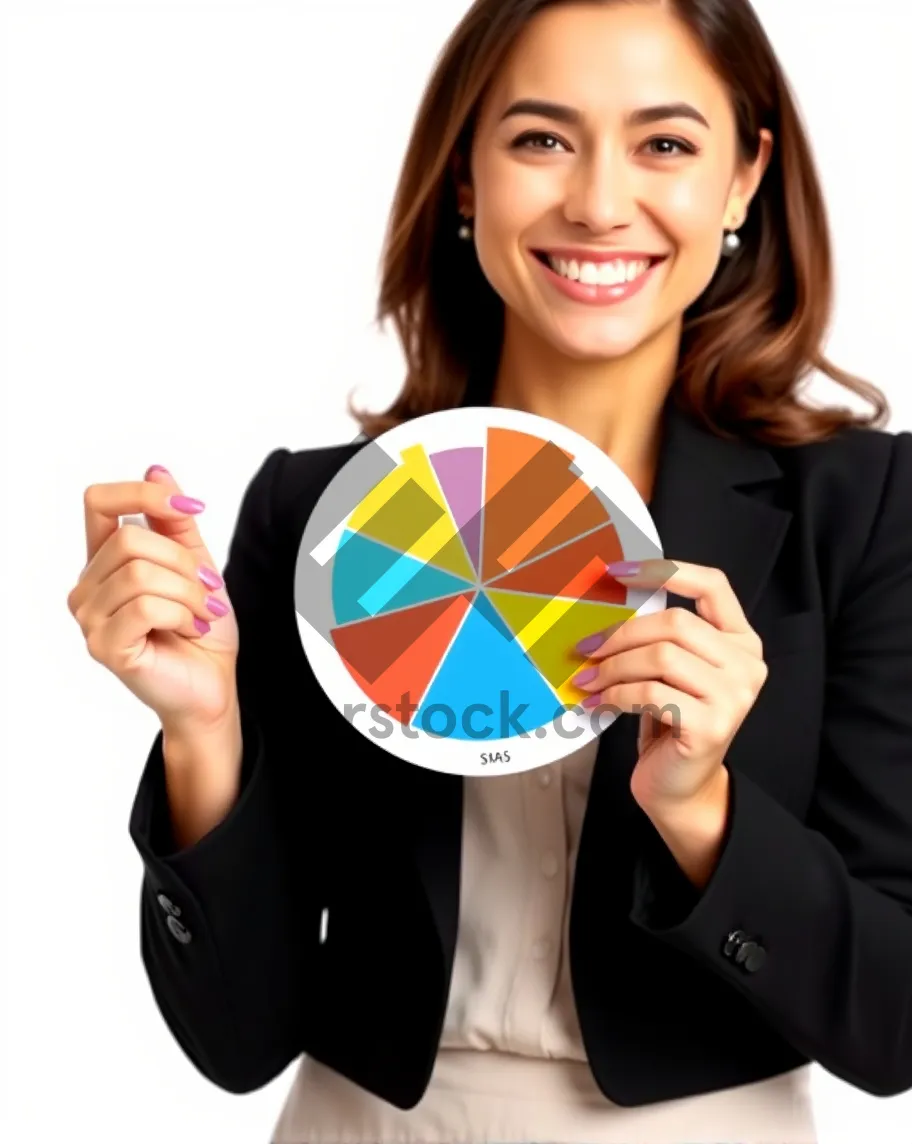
{"type": "Point", "coordinates": [748, 341]}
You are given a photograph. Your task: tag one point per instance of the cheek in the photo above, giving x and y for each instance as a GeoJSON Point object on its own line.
{"type": "Point", "coordinates": [690, 210]}
{"type": "Point", "coordinates": [511, 198]}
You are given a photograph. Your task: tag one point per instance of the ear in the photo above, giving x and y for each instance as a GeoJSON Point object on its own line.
{"type": "Point", "coordinates": [746, 182]}
{"type": "Point", "coordinates": [462, 178]}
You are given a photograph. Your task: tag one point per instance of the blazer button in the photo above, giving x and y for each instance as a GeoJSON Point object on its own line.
{"type": "Point", "coordinates": [751, 956]}
{"type": "Point", "coordinates": [733, 942]}
{"type": "Point", "coordinates": [168, 906]}
{"type": "Point", "coordinates": [178, 930]}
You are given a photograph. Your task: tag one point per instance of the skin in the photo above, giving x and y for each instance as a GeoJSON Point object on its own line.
{"type": "Point", "coordinates": [669, 187]}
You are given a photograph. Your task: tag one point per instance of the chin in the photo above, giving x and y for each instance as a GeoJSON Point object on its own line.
{"type": "Point", "coordinates": [599, 348]}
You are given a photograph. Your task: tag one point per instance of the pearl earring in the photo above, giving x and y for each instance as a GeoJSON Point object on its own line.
{"type": "Point", "coordinates": [730, 243]}
{"type": "Point", "coordinates": [465, 231]}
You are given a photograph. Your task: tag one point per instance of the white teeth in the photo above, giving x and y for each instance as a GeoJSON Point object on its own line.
{"type": "Point", "coordinates": [599, 273]}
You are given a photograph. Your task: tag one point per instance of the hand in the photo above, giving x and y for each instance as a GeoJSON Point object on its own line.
{"type": "Point", "coordinates": [699, 675]}
{"type": "Point", "coordinates": [143, 604]}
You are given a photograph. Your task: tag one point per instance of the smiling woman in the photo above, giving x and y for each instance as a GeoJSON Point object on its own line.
{"type": "Point", "coordinates": [608, 215]}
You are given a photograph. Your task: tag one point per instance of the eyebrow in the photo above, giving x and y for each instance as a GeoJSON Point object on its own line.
{"type": "Point", "coordinates": [638, 118]}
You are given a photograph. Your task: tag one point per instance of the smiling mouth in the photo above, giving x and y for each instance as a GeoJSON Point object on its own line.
{"type": "Point", "coordinates": [613, 273]}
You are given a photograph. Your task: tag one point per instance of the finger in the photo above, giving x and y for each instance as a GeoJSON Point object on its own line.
{"type": "Point", "coordinates": [666, 704]}
{"type": "Point", "coordinates": [119, 640]}
{"type": "Point", "coordinates": [105, 503]}
{"type": "Point", "coordinates": [186, 533]}
{"type": "Point", "coordinates": [184, 528]}
{"type": "Point", "coordinates": [710, 587]}
{"type": "Point", "coordinates": [675, 625]}
{"type": "Point", "coordinates": [668, 662]}
{"type": "Point", "coordinates": [134, 542]}
{"type": "Point", "coordinates": [139, 578]}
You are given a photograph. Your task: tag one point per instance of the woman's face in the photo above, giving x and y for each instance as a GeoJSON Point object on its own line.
{"type": "Point", "coordinates": [599, 219]}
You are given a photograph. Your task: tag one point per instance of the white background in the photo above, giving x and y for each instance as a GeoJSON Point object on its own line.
{"type": "Point", "coordinates": [195, 199]}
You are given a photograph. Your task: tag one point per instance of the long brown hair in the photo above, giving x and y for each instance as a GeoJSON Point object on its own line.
{"type": "Point", "coordinates": [748, 342]}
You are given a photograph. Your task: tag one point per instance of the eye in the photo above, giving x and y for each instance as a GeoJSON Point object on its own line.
{"type": "Point", "coordinates": [543, 141]}
{"type": "Point", "coordinates": [670, 146]}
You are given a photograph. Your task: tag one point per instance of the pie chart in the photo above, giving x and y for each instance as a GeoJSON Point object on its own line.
{"type": "Point", "coordinates": [448, 572]}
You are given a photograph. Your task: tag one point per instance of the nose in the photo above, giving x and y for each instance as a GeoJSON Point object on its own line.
{"type": "Point", "coordinates": [600, 194]}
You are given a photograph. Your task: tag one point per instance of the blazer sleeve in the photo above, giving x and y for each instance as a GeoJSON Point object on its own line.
{"type": "Point", "coordinates": [828, 901]}
{"type": "Point", "coordinates": [227, 925]}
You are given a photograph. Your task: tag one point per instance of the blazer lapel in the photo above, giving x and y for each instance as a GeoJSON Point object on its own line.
{"type": "Point", "coordinates": [703, 508]}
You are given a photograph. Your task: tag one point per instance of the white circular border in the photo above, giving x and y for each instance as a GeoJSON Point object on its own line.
{"type": "Point", "coordinates": [464, 428]}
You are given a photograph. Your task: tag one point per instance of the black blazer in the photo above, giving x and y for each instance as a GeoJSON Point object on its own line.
{"type": "Point", "coordinates": [816, 869]}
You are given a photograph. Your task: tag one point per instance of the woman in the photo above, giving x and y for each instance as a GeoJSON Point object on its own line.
{"type": "Point", "coordinates": [609, 216]}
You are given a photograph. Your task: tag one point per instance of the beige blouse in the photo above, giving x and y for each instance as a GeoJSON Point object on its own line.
{"type": "Point", "coordinates": [511, 1067]}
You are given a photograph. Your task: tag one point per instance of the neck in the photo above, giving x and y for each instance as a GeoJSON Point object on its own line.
{"type": "Point", "coordinates": [615, 404]}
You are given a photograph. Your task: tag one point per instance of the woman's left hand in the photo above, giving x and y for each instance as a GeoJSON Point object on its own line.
{"type": "Point", "coordinates": [697, 676]}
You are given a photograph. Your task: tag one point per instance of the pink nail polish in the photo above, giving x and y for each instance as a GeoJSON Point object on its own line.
{"type": "Point", "coordinates": [210, 577]}
{"type": "Point", "coordinates": [217, 607]}
{"type": "Point", "coordinates": [157, 469]}
{"type": "Point", "coordinates": [623, 568]}
{"type": "Point", "coordinates": [592, 701]}
{"type": "Point", "coordinates": [585, 676]}
{"type": "Point", "coordinates": [186, 504]}
{"type": "Point", "coordinates": [201, 626]}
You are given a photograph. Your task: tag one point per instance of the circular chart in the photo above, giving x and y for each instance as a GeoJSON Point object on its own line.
{"type": "Point", "coordinates": [446, 576]}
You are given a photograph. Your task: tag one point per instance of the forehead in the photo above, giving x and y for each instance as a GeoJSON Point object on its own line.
{"type": "Point", "coordinates": [605, 58]}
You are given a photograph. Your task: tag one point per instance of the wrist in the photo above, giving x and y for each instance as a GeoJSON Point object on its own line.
{"type": "Point", "coordinates": [194, 729]}
{"type": "Point", "coordinates": [704, 803]}
{"type": "Point", "coordinates": [693, 830]}
{"type": "Point", "coordinates": [203, 770]}
{"type": "Point", "coordinates": [204, 746]}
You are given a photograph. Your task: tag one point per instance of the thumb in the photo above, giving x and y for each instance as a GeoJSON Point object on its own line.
{"type": "Point", "coordinates": [183, 529]}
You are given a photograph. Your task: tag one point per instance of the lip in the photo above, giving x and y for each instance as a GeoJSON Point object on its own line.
{"type": "Point", "coordinates": [598, 295]}
{"type": "Point", "coordinates": [582, 254]}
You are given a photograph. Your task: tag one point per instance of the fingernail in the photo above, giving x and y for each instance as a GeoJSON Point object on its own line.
{"type": "Point", "coordinates": [591, 643]}
{"type": "Point", "coordinates": [186, 504]}
{"type": "Point", "coordinates": [624, 568]}
{"type": "Point", "coordinates": [201, 625]}
{"type": "Point", "coordinates": [210, 577]}
{"type": "Point", "coordinates": [591, 701]}
{"type": "Point", "coordinates": [157, 469]}
{"type": "Point", "coordinates": [586, 676]}
{"type": "Point", "coordinates": [217, 607]}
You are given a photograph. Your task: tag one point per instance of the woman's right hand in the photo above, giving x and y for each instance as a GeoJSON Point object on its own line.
{"type": "Point", "coordinates": [143, 603]}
